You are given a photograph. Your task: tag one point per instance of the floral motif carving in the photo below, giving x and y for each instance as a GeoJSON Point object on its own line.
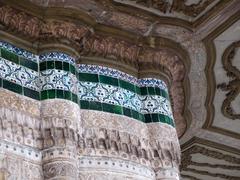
{"type": "Point", "coordinates": [58, 169]}
{"type": "Point", "coordinates": [111, 47]}
{"type": "Point", "coordinates": [59, 29]}
{"type": "Point", "coordinates": [232, 87]}
{"type": "Point", "coordinates": [20, 21]}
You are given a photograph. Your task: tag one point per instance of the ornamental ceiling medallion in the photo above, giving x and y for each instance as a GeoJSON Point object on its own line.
{"type": "Point", "coordinates": [233, 86]}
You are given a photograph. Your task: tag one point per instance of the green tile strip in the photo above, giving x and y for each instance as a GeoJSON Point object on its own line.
{"type": "Point", "coordinates": [91, 105]}
{"type": "Point", "coordinates": [60, 65]}
{"type": "Point", "coordinates": [86, 77]}
{"type": "Point", "coordinates": [18, 60]}
{"type": "Point", "coordinates": [12, 86]}
{"type": "Point", "coordinates": [151, 118]}
{"type": "Point", "coordinates": [81, 76]}
{"type": "Point", "coordinates": [147, 118]}
{"type": "Point", "coordinates": [60, 94]}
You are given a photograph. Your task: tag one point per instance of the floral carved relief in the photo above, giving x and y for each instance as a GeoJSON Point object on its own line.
{"type": "Point", "coordinates": [111, 47]}
{"type": "Point", "coordinates": [24, 23]}
{"type": "Point", "coordinates": [59, 29]}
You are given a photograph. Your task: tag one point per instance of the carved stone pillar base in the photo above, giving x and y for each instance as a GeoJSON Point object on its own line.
{"type": "Point", "coordinates": [59, 163]}
{"type": "Point", "coordinates": [60, 170]}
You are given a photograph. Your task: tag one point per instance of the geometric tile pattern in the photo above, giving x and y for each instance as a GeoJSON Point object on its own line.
{"type": "Point", "coordinates": [51, 56]}
{"type": "Point", "coordinates": [18, 51]}
{"type": "Point", "coordinates": [58, 79]}
{"type": "Point", "coordinates": [18, 74]}
{"type": "Point", "coordinates": [101, 70]}
{"type": "Point", "coordinates": [156, 104]}
{"type": "Point", "coordinates": [55, 75]}
{"type": "Point", "coordinates": [105, 93]}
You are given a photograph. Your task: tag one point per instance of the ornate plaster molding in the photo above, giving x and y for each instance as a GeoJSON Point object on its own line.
{"type": "Point", "coordinates": [196, 149]}
{"type": "Point", "coordinates": [163, 6]}
{"type": "Point", "coordinates": [233, 86]}
{"type": "Point", "coordinates": [212, 86]}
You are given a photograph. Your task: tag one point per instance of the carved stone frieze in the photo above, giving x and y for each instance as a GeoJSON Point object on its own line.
{"type": "Point", "coordinates": [64, 124]}
{"type": "Point", "coordinates": [60, 29]}
{"type": "Point", "coordinates": [128, 147]}
{"type": "Point", "coordinates": [20, 21]}
{"type": "Point", "coordinates": [111, 48]}
{"type": "Point", "coordinates": [114, 134]}
{"type": "Point", "coordinates": [16, 167]}
{"type": "Point", "coordinates": [233, 86]}
{"type": "Point", "coordinates": [126, 21]}
{"type": "Point", "coordinates": [112, 168]}
{"type": "Point", "coordinates": [19, 103]}
{"type": "Point", "coordinates": [18, 123]}
{"type": "Point", "coordinates": [42, 30]}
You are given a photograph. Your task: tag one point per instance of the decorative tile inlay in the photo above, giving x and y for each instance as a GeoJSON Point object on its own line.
{"type": "Point", "coordinates": [109, 94]}
{"type": "Point", "coordinates": [96, 69]}
{"type": "Point", "coordinates": [19, 51]}
{"type": "Point", "coordinates": [18, 74]}
{"type": "Point", "coordinates": [145, 82]}
{"type": "Point", "coordinates": [58, 79]}
{"type": "Point", "coordinates": [151, 82]}
{"type": "Point", "coordinates": [118, 96]}
{"type": "Point", "coordinates": [93, 87]}
{"type": "Point", "coordinates": [50, 56]}
{"type": "Point", "coordinates": [156, 104]}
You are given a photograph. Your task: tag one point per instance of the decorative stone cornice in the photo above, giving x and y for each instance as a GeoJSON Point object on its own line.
{"type": "Point", "coordinates": [60, 29]}
{"type": "Point", "coordinates": [20, 21]}
{"type": "Point", "coordinates": [111, 48]}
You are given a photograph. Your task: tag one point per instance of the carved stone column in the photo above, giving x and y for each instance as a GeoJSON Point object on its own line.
{"type": "Point", "coordinates": [163, 137]}
{"type": "Point", "coordinates": [60, 132]}
{"type": "Point", "coordinates": [60, 116]}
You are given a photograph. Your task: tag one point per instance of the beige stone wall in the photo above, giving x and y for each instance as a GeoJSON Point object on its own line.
{"type": "Point", "coordinates": [56, 140]}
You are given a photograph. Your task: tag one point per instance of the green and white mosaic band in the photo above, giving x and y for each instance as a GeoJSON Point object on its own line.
{"type": "Point", "coordinates": [58, 76]}
{"type": "Point", "coordinates": [55, 75]}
